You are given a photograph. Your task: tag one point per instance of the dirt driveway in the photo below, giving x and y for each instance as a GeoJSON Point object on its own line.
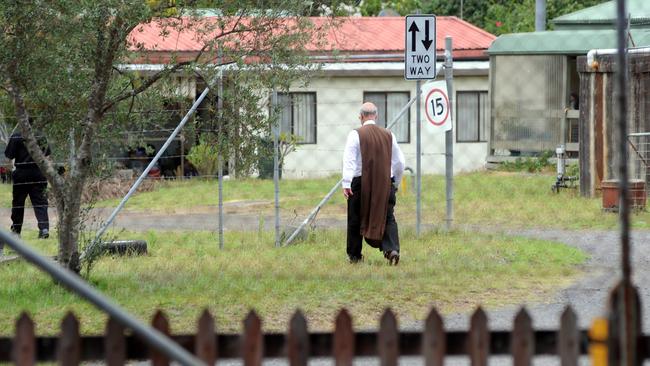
{"type": "Point", "coordinates": [588, 295]}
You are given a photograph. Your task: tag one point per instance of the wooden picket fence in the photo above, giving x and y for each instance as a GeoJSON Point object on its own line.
{"type": "Point", "coordinates": [298, 345]}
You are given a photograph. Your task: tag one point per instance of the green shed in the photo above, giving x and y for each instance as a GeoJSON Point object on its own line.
{"type": "Point", "coordinates": [532, 76]}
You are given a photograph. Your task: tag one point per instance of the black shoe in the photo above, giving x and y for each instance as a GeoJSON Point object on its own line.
{"type": "Point", "coordinates": [43, 234]}
{"type": "Point", "coordinates": [354, 260]}
{"type": "Point", "coordinates": [393, 257]}
{"type": "Point", "coordinates": [15, 231]}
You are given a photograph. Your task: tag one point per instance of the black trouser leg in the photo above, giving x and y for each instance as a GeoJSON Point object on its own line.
{"type": "Point", "coordinates": [354, 238]}
{"type": "Point", "coordinates": [390, 241]}
{"type": "Point", "coordinates": [20, 192]}
{"type": "Point", "coordinates": [38, 196]}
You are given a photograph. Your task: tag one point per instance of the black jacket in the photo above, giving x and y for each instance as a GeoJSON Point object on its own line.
{"type": "Point", "coordinates": [17, 150]}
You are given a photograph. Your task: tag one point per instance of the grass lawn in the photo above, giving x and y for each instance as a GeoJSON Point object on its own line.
{"type": "Point", "coordinates": [186, 272]}
{"type": "Point", "coordinates": [5, 195]}
{"type": "Point", "coordinates": [481, 198]}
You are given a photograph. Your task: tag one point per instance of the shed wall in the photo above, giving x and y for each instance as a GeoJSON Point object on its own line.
{"type": "Point", "coordinates": [528, 101]}
{"type": "Point", "coordinates": [600, 153]}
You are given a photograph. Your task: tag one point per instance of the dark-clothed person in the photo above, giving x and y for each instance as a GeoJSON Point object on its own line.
{"type": "Point", "coordinates": [373, 164]}
{"type": "Point", "coordinates": [28, 180]}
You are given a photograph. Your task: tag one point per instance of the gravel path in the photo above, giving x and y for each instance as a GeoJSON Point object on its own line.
{"type": "Point", "coordinates": [587, 296]}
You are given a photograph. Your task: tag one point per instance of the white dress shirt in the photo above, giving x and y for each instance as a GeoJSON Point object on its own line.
{"type": "Point", "coordinates": [352, 158]}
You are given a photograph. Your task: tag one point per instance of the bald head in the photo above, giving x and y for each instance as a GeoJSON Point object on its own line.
{"type": "Point", "coordinates": [368, 112]}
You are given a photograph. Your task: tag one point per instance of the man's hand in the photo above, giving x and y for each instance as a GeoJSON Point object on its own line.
{"type": "Point", "coordinates": [347, 193]}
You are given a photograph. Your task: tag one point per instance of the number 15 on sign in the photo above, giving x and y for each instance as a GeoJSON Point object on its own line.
{"type": "Point", "coordinates": [435, 102]}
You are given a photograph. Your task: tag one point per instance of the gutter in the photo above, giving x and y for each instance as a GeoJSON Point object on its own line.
{"type": "Point", "coordinates": [358, 56]}
{"type": "Point", "coordinates": [383, 68]}
{"type": "Point", "coordinates": [592, 55]}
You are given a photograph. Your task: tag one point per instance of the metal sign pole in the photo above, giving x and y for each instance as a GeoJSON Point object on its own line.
{"type": "Point", "coordinates": [449, 136]}
{"type": "Point", "coordinates": [418, 158]}
{"type": "Point", "coordinates": [419, 64]}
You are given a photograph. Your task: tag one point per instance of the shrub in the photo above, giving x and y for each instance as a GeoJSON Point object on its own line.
{"type": "Point", "coordinates": [531, 165]}
{"type": "Point", "coordinates": [205, 157]}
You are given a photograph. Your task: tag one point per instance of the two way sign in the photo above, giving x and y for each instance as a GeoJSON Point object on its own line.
{"type": "Point", "coordinates": [420, 47]}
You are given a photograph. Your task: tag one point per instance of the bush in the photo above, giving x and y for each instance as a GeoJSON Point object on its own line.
{"type": "Point", "coordinates": [205, 157]}
{"type": "Point", "coordinates": [531, 165]}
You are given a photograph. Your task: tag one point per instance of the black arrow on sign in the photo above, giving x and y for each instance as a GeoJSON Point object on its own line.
{"type": "Point", "coordinates": [427, 42]}
{"type": "Point", "coordinates": [413, 29]}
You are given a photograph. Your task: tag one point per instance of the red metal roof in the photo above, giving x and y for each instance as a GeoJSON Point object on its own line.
{"type": "Point", "coordinates": [353, 35]}
{"type": "Point", "coordinates": [387, 34]}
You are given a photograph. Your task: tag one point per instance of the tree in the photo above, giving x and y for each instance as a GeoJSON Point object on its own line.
{"type": "Point", "coordinates": [495, 16]}
{"type": "Point", "coordinates": [519, 16]}
{"type": "Point", "coordinates": [60, 61]}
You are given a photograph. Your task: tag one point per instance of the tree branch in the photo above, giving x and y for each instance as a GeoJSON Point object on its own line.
{"type": "Point", "coordinates": [163, 73]}
{"type": "Point", "coordinates": [145, 85]}
{"type": "Point", "coordinates": [103, 69]}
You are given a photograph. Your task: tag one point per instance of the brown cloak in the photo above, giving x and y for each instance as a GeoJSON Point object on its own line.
{"type": "Point", "coordinates": [376, 145]}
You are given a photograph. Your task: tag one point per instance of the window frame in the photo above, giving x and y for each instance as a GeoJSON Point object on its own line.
{"type": "Point", "coordinates": [408, 112]}
{"type": "Point", "coordinates": [315, 127]}
{"type": "Point", "coordinates": [479, 130]}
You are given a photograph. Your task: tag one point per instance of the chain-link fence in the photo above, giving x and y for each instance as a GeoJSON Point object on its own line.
{"type": "Point", "coordinates": [535, 92]}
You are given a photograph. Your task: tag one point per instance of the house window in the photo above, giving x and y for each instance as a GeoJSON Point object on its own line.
{"type": "Point", "coordinates": [389, 104]}
{"type": "Point", "coordinates": [472, 116]}
{"type": "Point", "coordinates": [298, 115]}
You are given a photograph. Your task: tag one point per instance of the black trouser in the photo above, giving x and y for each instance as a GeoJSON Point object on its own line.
{"type": "Point", "coordinates": [389, 242]}
{"type": "Point", "coordinates": [28, 182]}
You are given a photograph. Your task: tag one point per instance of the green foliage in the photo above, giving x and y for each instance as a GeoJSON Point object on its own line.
{"type": "Point", "coordinates": [62, 64]}
{"type": "Point", "coordinates": [403, 7]}
{"type": "Point", "coordinates": [298, 8]}
{"type": "Point", "coordinates": [287, 144]}
{"type": "Point", "coordinates": [495, 16]}
{"type": "Point", "coordinates": [573, 170]}
{"type": "Point", "coordinates": [205, 156]}
{"type": "Point", "coordinates": [519, 16]}
{"type": "Point", "coordinates": [528, 164]}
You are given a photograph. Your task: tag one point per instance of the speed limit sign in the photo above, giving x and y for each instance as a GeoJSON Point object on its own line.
{"type": "Point", "coordinates": [436, 105]}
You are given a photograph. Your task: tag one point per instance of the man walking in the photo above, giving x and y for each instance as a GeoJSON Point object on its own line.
{"type": "Point", "coordinates": [27, 180]}
{"type": "Point", "coordinates": [373, 165]}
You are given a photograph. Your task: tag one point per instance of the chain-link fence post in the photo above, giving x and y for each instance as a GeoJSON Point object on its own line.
{"type": "Point", "coordinates": [449, 135]}
{"type": "Point", "coordinates": [220, 157]}
{"type": "Point", "coordinates": [276, 168]}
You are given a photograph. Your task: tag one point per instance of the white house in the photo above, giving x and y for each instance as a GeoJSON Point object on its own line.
{"type": "Point", "coordinates": [369, 66]}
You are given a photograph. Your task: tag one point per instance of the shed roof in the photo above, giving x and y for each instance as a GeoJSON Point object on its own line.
{"type": "Point", "coordinates": [605, 14]}
{"type": "Point", "coordinates": [578, 32]}
{"type": "Point", "coordinates": [354, 35]}
{"type": "Point", "coordinates": [568, 42]}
